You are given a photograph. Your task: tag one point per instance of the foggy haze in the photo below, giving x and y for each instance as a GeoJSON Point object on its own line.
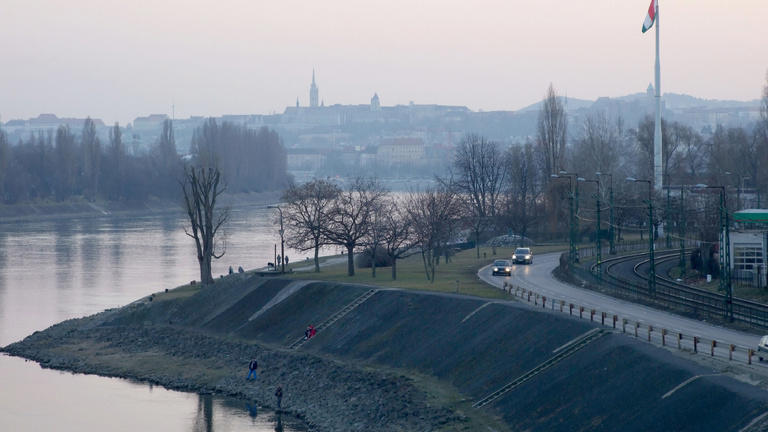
{"type": "Point", "coordinates": [118, 60]}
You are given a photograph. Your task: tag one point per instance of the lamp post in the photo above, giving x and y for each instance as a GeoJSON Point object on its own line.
{"type": "Point", "coordinates": [667, 236]}
{"type": "Point", "coordinates": [575, 214]}
{"type": "Point", "coordinates": [681, 230]}
{"type": "Point", "coordinates": [725, 252]}
{"type": "Point", "coordinates": [612, 246]}
{"type": "Point", "coordinates": [282, 239]}
{"type": "Point", "coordinates": [598, 245]}
{"type": "Point", "coordinates": [652, 273]}
{"type": "Point", "coordinates": [571, 236]}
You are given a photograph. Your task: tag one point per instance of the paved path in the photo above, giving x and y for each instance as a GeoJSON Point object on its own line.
{"type": "Point", "coordinates": [538, 278]}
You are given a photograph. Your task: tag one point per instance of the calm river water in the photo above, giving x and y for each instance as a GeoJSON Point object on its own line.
{"type": "Point", "coordinates": [64, 268]}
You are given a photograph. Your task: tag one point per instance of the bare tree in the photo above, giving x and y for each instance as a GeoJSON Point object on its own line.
{"type": "Point", "coordinates": [433, 218]}
{"type": "Point", "coordinates": [479, 177]}
{"type": "Point", "coordinates": [91, 159]}
{"type": "Point", "coordinates": [690, 157]}
{"type": "Point", "coordinates": [598, 147]}
{"type": "Point", "coordinates": [306, 215]}
{"type": "Point", "coordinates": [645, 132]}
{"type": "Point", "coordinates": [201, 188]}
{"type": "Point", "coordinates": [350, 216]}
{"type": "Point", "coordinates": [552, 130]}
{"type": "Point", "coordinates": [116, 162]}
{"type": "Point", "coordinates": [523, 189]}
{"type": "Point", "coordinates": [396, 233]}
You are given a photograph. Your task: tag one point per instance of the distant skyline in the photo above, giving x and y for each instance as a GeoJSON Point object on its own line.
{"type": "Point", "coordinates": [116, 60]}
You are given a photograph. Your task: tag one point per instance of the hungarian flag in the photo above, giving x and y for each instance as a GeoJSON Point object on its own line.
{"type": "Point", "coordinates": [651, 17]}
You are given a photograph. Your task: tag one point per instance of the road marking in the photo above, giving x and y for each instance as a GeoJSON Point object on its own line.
{"type": "Point", "coordinates": [752, 423]}
{"type": "Point", "coordinates": [574, 340]}
{"type": "Point", "coordinates": [686, 382]}
{"type": "Point", "coordinates": [475, 311]}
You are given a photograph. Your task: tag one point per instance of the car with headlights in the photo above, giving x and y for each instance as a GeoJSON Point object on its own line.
{"type": "Point", "coordinates": [522, 256]}
{"type": "Point", "coordinates": [502, 267]}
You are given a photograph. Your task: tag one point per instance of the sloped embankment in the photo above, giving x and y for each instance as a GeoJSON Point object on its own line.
{"type": "Point", "coordinates": [362, 372]}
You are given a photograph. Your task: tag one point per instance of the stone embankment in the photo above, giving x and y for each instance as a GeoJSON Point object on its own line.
{"type": "Point", "coordinates": [399, 360]}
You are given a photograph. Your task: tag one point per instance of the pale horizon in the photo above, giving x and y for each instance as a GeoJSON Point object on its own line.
{"type": "Point", "coordinates": [108, 61]}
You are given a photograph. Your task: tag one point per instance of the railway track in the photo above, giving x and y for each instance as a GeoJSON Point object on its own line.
{"type": "Point", "coordinates": [691, 299]}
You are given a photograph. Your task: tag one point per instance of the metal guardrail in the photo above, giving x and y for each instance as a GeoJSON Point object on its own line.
{"type": "Point", "coordinates": [647, 331]}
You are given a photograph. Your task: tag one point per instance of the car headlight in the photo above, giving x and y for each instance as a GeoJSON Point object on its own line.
{"type": "Point", "coordinates": [495, 269]}
{"type": "Point", "coordinates": [527, 257]}
{"type": "Point", "coordinates": [514, 256]}
{"type": "Point", "coordinates": [507, 269]}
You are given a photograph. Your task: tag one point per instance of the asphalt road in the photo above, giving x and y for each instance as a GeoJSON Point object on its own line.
{"type": "Point", "coordinates": [538, 278]}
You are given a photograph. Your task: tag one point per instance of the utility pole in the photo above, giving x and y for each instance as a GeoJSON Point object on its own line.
{"type": "Point", "coordinates": [598, 245]}
{"type": "Point", "coordinates": [681, 231]}
{"type": "Point", "coordinates": [612, 247]}
{"type": "Point", "coordinates": [725, 252]}
{"type": "Point", "coordinates": [572, 232]}
{"type": "Point", "coordinates": [667, 224]}
{"type": "Point", "coordinates": [282, 239]}
{"type": "Point", "coordinates": [651, 246]}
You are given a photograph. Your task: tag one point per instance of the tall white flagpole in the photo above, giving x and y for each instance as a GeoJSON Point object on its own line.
{"type": "Point", "coordinates": [657, 163]}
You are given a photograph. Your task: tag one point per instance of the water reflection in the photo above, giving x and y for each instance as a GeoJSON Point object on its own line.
{"type": "Point", "coordinates": [63, 268]}
{"type": "Point", "coordinates": [204, 419]}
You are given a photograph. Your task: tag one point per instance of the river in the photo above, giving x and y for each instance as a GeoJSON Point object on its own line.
{"type": "Point", "coordinates": [63, 268]}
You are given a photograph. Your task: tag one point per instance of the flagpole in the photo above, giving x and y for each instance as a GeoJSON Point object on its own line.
{"type": "Point", "coordinates": [657, 162]}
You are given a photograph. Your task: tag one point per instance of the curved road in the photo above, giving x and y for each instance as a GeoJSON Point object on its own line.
{"type": "Point", "coordinates": [538, 278]}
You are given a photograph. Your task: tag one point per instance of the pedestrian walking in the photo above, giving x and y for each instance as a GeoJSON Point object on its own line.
{"type": "Point", "coordinates": [279, 396]}
{"type": "Point", "coordinates": [252, 366]}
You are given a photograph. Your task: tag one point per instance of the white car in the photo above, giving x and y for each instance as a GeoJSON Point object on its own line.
{"type": "Point", "coordinates": [762, 348]}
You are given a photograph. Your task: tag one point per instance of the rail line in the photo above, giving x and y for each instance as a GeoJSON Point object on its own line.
{"type": "Point", "coordinates": [679, 295]}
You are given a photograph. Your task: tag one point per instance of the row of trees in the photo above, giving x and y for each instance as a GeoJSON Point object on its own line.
{"type": "Point", "coordinates": [492, 189]}
{"type": "Point", "coordinates": [364, 215]}
{"type": "Point", "coordinates": [63, 164]}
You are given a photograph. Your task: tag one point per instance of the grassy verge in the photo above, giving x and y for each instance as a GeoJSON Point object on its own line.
{"type": "Point", "coordinates": [457, 275]}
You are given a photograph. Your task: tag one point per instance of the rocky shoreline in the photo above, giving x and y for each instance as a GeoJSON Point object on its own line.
{"type": "Point", "coordinates": [325, 393]}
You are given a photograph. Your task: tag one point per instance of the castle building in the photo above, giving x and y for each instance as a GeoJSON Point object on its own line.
{"type": "Point", "coordinates": [313, 92]}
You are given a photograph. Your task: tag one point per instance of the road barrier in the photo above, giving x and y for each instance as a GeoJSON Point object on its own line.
{"type": "Point", "coordinates": [653, 334]}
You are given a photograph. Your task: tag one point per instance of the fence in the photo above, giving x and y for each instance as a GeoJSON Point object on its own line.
{"type": "Point", "coordinates": [647, 331]}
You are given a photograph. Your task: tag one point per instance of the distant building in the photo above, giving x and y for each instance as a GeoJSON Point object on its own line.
{"type": "Point", "coordinates": [400, 151]}
{"type": "Point", "coordinates": [375, 103]}
{"type": "Point", "coordinates": [313, 92]}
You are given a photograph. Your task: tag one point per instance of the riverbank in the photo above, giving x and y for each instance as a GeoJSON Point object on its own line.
{"type": "Point", "coordinates": [81, 208]}
{"type": "Point", "coordinates": [134, 342]}
{"type": "Point", "coordinates": [388, 359]}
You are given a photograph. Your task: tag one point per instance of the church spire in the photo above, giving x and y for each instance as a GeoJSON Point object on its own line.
{"type": "Point", "coordinates": [313, 92]}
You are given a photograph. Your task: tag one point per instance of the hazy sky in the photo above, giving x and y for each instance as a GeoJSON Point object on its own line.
{"type": "Point", "coordinates": [116, 60]}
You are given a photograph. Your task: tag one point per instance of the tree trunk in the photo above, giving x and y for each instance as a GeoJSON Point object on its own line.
{"type": "Point", "coordinates": [206, 276]}
{"type": "Point", "coordinates": [477, 242]}
{"type": "Point", "coordinates": [350, 261]}
{"type": "Point", "coordinates": [317, 258]}
{"type": "Point", "coordinates": [373, 262]}
{"type": "Point", "coordinates": [394, 268]}
{"type": "Point", "coordinates": [433, 274]}
{"type": "Point", "coordinates": [426, 267]}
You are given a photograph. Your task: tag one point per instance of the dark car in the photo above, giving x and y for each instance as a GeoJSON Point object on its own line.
{"type": "Point", "coordinates": [522, 256]}
{"type": "Point", "coordinates": [502, 267]}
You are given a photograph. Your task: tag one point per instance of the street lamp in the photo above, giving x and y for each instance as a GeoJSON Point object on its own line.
{"type": "Point", "coordinates": [282, 239]}
{"type": "Point", "coordinates": [612, 246]}
{"type": "Point", "coordinates": [598, 245]}
{"type": "Point", "coordinates": [725, 251]}
{"type": "Point", "coordinates": [572, 235]}
{"type": "Point", "coordinates": [652, 274]}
